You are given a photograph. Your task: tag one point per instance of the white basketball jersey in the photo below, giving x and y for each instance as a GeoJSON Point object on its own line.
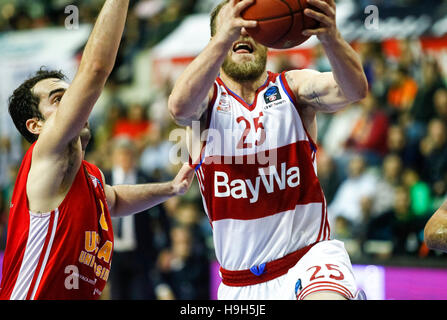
{"type": "Point", "coordinates": [258, 179]}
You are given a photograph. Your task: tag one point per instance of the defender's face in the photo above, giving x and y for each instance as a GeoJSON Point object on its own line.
{"type": "Point", "coordinates": [247, 59]}
{"type": "Point", "coordinates": [50, 93]}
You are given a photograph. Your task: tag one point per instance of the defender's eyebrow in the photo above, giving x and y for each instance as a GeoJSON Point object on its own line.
{"type": "Point", "coordinates": [56, 91]}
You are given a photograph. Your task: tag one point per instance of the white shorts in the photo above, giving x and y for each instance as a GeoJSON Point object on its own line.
{"type": "Point", "coordinates": [325, 267]}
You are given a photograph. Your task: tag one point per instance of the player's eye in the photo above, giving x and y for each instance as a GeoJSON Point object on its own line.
{"type": "Point", "coordinates": [57, 99]}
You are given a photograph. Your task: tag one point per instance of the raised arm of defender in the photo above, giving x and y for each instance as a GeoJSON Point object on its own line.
{"type": "Point", "coordinates": [194, 87]}
{"type": "Point", "coordinates": [66, 109]}
{"type": "Point", "coordinates": [97, 63]}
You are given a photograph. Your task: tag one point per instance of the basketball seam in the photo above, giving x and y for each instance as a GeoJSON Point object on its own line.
{"type": "Point", "coordinates": [302, 15]}
{"type": "Point", "coordinates": [277, 17]}
{"type": "Point", "coordinates": [291, 24]}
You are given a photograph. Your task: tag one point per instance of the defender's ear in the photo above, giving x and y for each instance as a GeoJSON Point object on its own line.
{"type": "Point", "coordinates": [34, 125]}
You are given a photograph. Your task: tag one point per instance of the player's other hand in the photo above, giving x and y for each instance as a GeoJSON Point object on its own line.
{"type": "Point", "coordinates": [230, 23]}
{"type": "Point", "coordinates": [326, 15]}
{"type": "Point", "coordinates": [182, 182]}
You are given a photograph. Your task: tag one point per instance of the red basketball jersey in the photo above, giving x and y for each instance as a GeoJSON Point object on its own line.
{"type": "Point", "coordinates": [63, 254]}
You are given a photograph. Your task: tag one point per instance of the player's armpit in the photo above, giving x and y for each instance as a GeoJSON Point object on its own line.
{"type": "Point", "coordinates": [316, 89]}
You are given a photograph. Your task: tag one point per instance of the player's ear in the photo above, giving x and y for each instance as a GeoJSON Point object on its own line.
{"type": "Point", "coordinates": [34, 125]}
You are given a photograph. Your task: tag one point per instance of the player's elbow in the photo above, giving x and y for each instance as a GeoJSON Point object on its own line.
{"type": "Point", "coordinates": [435, 235]}
{"type": "Point", "coordinates": [360, 91]}
{"type": "Point", "coordinates": [97, 70]}
{"type": "Point", "coordinates": [177, 108]}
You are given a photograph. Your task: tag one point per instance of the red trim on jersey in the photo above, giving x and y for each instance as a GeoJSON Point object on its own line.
{"type": "Point", "coordinates": [270, 77]}
{"type": "Point", "coordinates": [292, 96]}
{"type": "Point", "coordinates": [288, 89]}
{"type": "Point", "coordinates": [327, 286]}
{"type": "Point", "coordinates": [273, 269]}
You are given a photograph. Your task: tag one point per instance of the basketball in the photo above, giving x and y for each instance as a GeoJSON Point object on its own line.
{"type": "Point", "coordinates": [280, 22]}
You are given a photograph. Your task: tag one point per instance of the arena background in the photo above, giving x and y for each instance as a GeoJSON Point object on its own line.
{"type": "Point", "coordinates": [382, 162]}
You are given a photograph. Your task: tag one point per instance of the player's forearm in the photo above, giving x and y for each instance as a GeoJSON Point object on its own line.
{"type": "Point", "coordinates": [96, 65]}
{"type": "Point", "coordinates": [347, 68]}
{"type": "Point", "coordinates": [193, 86]}
{"type": "Point", "coordinates": [102, 47]}
{"type": "Point", "coordinates": [132, 199]}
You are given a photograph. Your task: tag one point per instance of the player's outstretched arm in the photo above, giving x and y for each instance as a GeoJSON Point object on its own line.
{"type": "Point", "coordinates": [97, 63]}
{"type": "Point", "coordinates": [194, 87]}
{"type": "Point", "coordinates": [331, 91]}
{"type": "Point", "coordinates": [435, 232]}
{"type": "Point", "coordinates": [124, 200]}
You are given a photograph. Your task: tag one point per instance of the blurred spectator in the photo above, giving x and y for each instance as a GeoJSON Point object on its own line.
{"type": "Point", "coordinates": [135, 249]}
{"type": "Point", "coordinates": [399, 225]}
{"type": "Point", "coordinates": [354, 194]}
{"type": "Point", "coordinates": [433, 147]}
{"type": "Point", "coordinates": [420, 193]}
{"type": "Point", "coordinates": [423, 108]}
{"type": "Point", "coordinates": [369, 133]}
{"type": "Point", "coordinates": [328, 175]}
{"type": "Point", "coordinates": [388, 180]}
{"type": "Point", "coordinates": [134, 125]}
{"type": "Point", "coordinates": [155, 157]}
{"type": "Point", "coordinates": [380, 81]}
{"type": "Point", "coordinates": [440, 103]}
{"type": "Point", "coordinates": [397, 143]}
{"type": "Point", "coordinates": [402, 91]}
{"type": "Point", "coordinates": [184, 273]}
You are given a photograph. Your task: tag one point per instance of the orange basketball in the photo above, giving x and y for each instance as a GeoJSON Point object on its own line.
{"type": "Point", "coordinates": [280, 22]}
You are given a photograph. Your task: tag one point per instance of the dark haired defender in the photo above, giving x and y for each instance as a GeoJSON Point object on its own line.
{"type": "Point", "coordinates": [60, 237]}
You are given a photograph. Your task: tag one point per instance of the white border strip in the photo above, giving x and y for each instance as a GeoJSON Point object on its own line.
{"type": "Point", "coordinates": [47, 253]}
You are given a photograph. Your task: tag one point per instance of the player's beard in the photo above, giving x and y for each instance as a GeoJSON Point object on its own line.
{"type": "Point", "coordinates": [249, 70]}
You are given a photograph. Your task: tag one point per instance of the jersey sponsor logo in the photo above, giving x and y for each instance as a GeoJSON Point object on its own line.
{"type": "Point", "coordinates": [249, 188]}
{"type": "Point", "coordinates": [272, 95]}
{"type": "Point", "coordinates": [224, 105]}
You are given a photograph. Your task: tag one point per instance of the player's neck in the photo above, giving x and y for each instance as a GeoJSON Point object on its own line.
{"type": "Point", "coordinates": [245, 89]}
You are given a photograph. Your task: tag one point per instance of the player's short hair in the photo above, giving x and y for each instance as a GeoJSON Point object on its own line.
{"type": "Point", "coordinates": [214, 15]}
{"type": "Point", "coordinates": [24, 104]}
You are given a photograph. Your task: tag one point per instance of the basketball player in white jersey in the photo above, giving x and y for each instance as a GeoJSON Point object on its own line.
{"type": "Point", "coordinates": [269, 219]}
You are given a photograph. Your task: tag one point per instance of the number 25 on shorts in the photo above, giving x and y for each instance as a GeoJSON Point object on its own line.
{"type": "Point", "coordinates": [329, 270]}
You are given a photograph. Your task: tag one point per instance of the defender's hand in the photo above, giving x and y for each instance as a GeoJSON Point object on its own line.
{"type": "Point", "coordinates": [327, 30]}
{"type": "Point", "coordinates": [231, 22]}
{"type": "Point", "coordinates": [182, 182]}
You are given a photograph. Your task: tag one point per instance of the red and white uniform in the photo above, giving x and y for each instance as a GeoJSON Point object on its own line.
{"type": "Point", "coordinates": [260, 188]}
{"type": "Point", "coordinates": [63, 254]}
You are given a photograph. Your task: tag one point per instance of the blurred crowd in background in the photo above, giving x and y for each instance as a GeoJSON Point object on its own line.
{"type": "Point", "coordinates": [382, 163]}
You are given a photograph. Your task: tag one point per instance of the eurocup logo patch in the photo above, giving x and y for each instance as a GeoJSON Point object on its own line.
{"type": "Point", "coordinates": [272, 95]}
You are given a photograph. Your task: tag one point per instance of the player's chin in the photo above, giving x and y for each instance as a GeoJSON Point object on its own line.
{"type": "Point", "coordinates": [243, 57]}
